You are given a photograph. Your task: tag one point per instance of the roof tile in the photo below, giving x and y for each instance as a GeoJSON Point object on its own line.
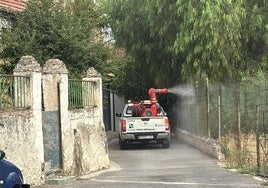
{"type": "Point", "coordinates": [15, 5]}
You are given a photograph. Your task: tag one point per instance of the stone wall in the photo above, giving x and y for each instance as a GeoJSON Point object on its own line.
{"type": "Point", "coordinates": [85, 146]}
{"type": "Point", "coordinates": [22, 144]}
{"type": "Point", "coordinates": [83, 141]}
{"type": "Point", "coordinates": [21, 131]}
{"type": "Point", "coordinates": [206, 145]}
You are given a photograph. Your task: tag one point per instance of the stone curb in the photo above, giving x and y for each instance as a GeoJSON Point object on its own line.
{"type": "Point", "coordinates": [111, 136]}
{"type": "Point", "coordinates": [206, 145]}
{"type": "Point", "coordinates": [60, 180]}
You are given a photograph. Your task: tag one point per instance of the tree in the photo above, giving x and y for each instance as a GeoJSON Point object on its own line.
{"type": "Point", "coordinates": [52, 29]}
{"type": "Point", "coordinates": [210, 37]}
{"type": "Point", "coordinates": [221, 39]}
{"type": "Point", "coordinates": [255, 48]}
{"type": "Point", "coordinates": [152, 63]}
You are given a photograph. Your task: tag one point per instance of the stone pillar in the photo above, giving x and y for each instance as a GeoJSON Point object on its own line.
{"type": "Point", "coordinates": [28, 66]}
{"type": "Point", "coordinates": [32, 149]}
{"type": "Point", "coordinates": [55, 114]}
{"type": "Point", "coordinates": [99, 147]}
{"type": "Point", "coordinates": [54, 73]}
{"type": "Point", "coordinates": [55, 88]}
{"type": "Point", "coordinates": [94, 76]}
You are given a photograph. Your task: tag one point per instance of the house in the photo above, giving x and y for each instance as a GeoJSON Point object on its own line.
{"type": "Point", "coordinates": [8, 11]}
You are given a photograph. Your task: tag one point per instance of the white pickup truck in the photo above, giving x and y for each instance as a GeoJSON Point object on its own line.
{"type": "Point", "coordinates": [143, 129]}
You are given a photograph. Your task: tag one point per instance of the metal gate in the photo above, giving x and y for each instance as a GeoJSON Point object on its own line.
{"type": "Point", "coordinates": [107, 109]}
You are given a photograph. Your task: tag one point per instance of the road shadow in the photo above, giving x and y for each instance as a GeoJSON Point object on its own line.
{"type": "Point", "coordinates": [140, 146]}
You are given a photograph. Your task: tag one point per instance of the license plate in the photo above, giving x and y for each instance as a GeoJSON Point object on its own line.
{"type": "Point", "coordinates": [146, 137]}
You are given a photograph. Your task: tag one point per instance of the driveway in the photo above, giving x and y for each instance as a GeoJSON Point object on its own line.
{"type": "Point", "coordinates": [152, 166]}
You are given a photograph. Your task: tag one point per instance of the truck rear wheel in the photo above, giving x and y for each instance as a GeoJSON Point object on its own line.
{"type": "Point", "coordinates": [122, 143]}
{"type": "Point", "coordinates": [166, 143]}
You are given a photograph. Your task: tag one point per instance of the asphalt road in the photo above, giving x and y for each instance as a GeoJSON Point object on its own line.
{"type": "Point", "coordinates": [152, 166]}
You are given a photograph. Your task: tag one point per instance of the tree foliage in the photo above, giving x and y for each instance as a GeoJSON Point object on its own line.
{"type": "Point", "coordinates": [70, 32]}
{"type": "Point", "coordinates": [171, 40]}
{"type": "Point", "coordinates": [225, 41]}
{"type": "Point", "coordinates": [152, 63]}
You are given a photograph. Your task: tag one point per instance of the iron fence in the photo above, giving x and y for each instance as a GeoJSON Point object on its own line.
{"type": "Point", "coordinates": [81, 94]}
{"type": "Point", "coordinates": [14, 92]}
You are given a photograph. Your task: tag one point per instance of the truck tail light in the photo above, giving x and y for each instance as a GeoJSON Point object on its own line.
{"type": "Point", "coordinates": [123, 125]}
{"type": "Point", "coordinates": [167, 124]}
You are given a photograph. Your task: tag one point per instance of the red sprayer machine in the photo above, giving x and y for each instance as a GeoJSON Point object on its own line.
{"type": "Point", "coordinates": [148, 107]}
{"type": "Point", "coordinates": [152, 96]}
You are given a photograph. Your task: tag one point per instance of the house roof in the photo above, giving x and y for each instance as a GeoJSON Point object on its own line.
{"type": "Point", "coordinates": [12, 5]}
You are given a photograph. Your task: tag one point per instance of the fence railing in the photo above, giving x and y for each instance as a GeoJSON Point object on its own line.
{"type": "Point", "coordinates": [81, 94]}
{"type": "Point", "coordinates": [236, 115]}
{"type": "Point", "coordinates": [14, 92]}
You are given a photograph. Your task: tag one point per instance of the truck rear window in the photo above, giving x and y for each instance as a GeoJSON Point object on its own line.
{"type": "Point", "coordinates": [129, 110]}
